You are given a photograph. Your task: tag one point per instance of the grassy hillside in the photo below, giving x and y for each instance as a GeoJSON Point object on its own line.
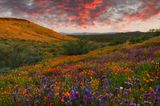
{"type": "Point", "coordinates": [25, 43]}
{"type": "Point", "coordinates": [23, 29]}
{"type": "Point", "coordinates": [125, 75]}
{"type": "Point", "coordinates": [16, 53]}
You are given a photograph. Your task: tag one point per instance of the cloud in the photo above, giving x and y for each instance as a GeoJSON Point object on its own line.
{"type": "Point", "coordinates": [80, 13]}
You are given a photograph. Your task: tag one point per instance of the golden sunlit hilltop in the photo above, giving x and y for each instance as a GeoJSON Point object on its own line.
{"type": "Point", "coordinates": [14, 28]}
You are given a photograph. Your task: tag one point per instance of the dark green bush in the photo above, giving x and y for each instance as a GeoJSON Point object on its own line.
{"type": "Point", "coordinates": [145, 37]}
{"type": "Point", "coordinates": [21, 56]}
{"type": "Point", "coordinates": [4, 56]}
{"type": "Point", "coordinates": [156, 33]}
{"type": "Point", "coordinates": [18, 55]}
{"type": "Point", "coordinates": [15, 53]}
{"type": "Point", "coordinates": [77, 47]}
{"type": "Point", "coordinates": [117, 41]}
{"type": "Point", "coordinates": [139, 39]}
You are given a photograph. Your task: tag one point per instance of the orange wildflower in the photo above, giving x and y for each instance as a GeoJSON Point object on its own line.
{"type": "Point", "coordinates": [62, 99]}
{"type": "Point", "coordinates": [67, 94]}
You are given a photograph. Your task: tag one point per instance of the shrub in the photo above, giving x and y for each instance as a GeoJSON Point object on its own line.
{"type": "Point", "coordinates": [117, 41]}
{"type": "Point", "coordinates": [4, 56]}
{"type": "Point", "coordinates": [139, 39]}
{"type": "Point", "coordinates": [18, 55]}
{"type": "Point", "coordinates": [77, 47]}
{"type": "Point", "coordinates": [21, 56]}
{"type": "Point", "coordinates": [145, 37]}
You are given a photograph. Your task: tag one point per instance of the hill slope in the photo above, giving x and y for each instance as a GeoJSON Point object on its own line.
{"type": "Point", "coordinates": [22, 29]}
{"type": "Point", "coordinates": [108, 37]}
{"type": "Point", "coordinates": [128, 71]}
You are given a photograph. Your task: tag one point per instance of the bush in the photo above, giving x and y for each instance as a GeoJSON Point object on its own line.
{"type": "Point", "coordinates": [17, 55]}
{"type": "Point", "coordinates": [145, 37]}
{"type": "Point", "coordinates": [139, 39]}
{"type": "Point", "coordinates": [21, 56]}
{"type": "Point", "coordinates": [117, 41]}
{"type": "Point", "coordinates": [77, 47]}
{"type": "Point", "coordinates": [4, 56]}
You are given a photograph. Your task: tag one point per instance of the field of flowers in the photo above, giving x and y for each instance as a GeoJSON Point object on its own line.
{"type": "Point", "coordinates": [124, 77]}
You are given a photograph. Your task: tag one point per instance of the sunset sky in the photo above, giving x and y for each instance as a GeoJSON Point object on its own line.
{"type": "Point", "coordinates": [86, 15]}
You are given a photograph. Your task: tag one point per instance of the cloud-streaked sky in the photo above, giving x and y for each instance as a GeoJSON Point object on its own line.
{"type": "Point", "coordinates": [86, 15]}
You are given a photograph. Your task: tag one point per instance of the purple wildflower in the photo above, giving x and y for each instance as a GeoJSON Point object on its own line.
{"type": "Point", "coordinates": [26, 95]}
{"type": "Point", "coordinates": [49, 96]}
{"type": "Point", "coordinates": [74, 94]}
{"type": "Point", "coordinates": [158, 89]}
{"type": "Point", "coordinates": [88, 90]}
{"type": "Point", "coordinates": [128, 83]}
{"type": "Point", "coordinates": [29, 89]}
{"type": "Point", "coordinates": [20, 100]}
{"type": "Point", "coordinates": [108, 95]}
{"type": "Point", "coordinates": [85, 79]}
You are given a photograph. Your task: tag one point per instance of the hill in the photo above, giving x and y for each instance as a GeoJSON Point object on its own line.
{"type": "Point", "coordinates": [109, 37]}
{"type": "Point", "coordinates": [23, 29]}
{"type": "Point", "coordinates": [110, 75]}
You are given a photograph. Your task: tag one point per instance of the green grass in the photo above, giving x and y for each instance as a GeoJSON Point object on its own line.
{"type": "Point", "coordinates": [78, 47]}
{"type": "Point", "coordinates": [144, 37]}
{"type": "Point", "coordinates": [16, 53]}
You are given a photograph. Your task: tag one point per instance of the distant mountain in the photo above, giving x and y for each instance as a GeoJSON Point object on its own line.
{"type": "Point", "coordinates": [88, 33]}
{"type": "Point", "coordinates": [23, 29]}
{"type": "Point", "coordinates": [98, 33]}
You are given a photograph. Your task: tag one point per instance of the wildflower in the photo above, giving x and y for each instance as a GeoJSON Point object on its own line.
{"type": "Point", "coordinates": [103, 102]}
{"type": "Point", "coordinates": [147, 81]}
{"type": "Point", "coordinates": [121, 88]}
{"type": "Point", "coordinates": [126, 91]}
{"type": "Point", "coordinates": [20, 100]}
{"type": "Point", "coordinates": [105, 87]}
{"type": "Point", "coordinates": [66, 94]}
{"type": "Point", "coordinates": [37, 101]}
{"type": "Point", "coordinates": [158, 98]}
{"type": "Point", "coordinates": [49, 95]}
{"type": "Point", "coordinates": [85, 79]}
{"type": "Point", "coordinates": [151, 80]}
{"type": "Point", "coordinates": [108, 95]}
{"type": "Point", "coordinates": [103, 78]}
{"type": "Point", "coordinates": [88, 90]}
{"type": "Point", "coordinates": [128, 83]}
{"type": "Point", "coordinates": [149, 96]}
{"type": "Point", "coordinates": [134, 104]}
{"type": "Point", "coordinates": [74, 94]}
{"type": "Point", "coordinates": [150, 88]}
{"type": "Point", "coordinates": [158, 89]}
{"type": "Point", "coordinates": [62, 99]}
{"type": "Point", "coordinates": [28, 89]}
{"type": "Point", "coordinates": [147, 102]}
{"type": "Point", "coordinates": [26, 95]}
{"type": "Point", "coordinates": [152, 92]}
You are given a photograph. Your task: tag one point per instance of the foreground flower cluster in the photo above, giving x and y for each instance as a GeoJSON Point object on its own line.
{"type": "Point", "coordinates": [129, 77]}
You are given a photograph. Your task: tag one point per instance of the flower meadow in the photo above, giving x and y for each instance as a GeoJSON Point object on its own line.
{"type": "Point", "coordinates": [127, 77]}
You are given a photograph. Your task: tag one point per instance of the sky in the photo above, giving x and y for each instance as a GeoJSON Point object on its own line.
{"type": "Point", "coordinates": [75, 16]}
